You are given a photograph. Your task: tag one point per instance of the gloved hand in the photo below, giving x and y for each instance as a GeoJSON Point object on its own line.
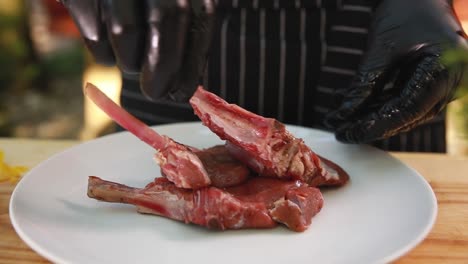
{"type": "Point", "coordinates": [406, 43]}
{"type": "Point", "coordinates": [163, 42]}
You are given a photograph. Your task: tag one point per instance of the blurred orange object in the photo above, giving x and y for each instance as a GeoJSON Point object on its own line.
{"type": "Point", "coordinates": [461, 8]}
{"type": "Point", "coordinates": [60, 20]}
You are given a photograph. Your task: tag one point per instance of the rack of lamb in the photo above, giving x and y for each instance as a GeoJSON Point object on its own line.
{"type": "Point", "coordinates": [260, 177]}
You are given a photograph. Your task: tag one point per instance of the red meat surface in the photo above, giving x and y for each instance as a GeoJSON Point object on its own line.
{"type": "Point", "coordinates": [187, 167]}
{"type": "Point", "coordinates": [262, 176]}
{"type": "Point", "coordinates": [257, 203]}
{"type": "Point", "coordinates": [264, 144]}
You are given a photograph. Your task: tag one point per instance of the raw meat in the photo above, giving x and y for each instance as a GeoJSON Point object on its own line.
{"type": "Point", "coordinates": [223, 169]}
{"type": "Point", "coordinates": [257, 203]}
{"type": "Point", "coordinates": [264, 144]}
{"type": "Point", "coordinates": [185, 166]}
{"type": "Point", "coordinates": [212, 187]}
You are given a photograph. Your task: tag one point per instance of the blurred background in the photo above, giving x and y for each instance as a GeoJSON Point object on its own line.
{"type": "Point", "coordinates": [43, 66]}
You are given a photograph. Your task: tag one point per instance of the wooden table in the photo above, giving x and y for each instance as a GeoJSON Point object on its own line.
{"type": "Point", "coordinates": [448, 176]}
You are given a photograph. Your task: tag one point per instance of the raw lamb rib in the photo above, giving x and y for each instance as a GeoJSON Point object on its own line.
{"type": "Point", "coordinates": [185, 166]}
{"type": "Point", "coordinates": [211, 187]}
{"type": "Point", "coordinates": [264, 144]}
{"type": "Point", "coordinates": [258, 203]}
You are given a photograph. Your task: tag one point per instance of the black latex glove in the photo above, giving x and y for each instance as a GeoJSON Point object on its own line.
{"type": "Point", "coordinates": [406, 42]}
{"type": "Point", "coordinates": [163, 42]}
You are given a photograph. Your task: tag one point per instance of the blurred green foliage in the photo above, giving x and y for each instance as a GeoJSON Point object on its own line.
{"type": "Point", "coordinates": [16, 54]}
{"type": "Point", "coordinates": [458, 58]}
{"type": "Point", "coordinates": [459, 109]}
{"type": "Point", "coordinates": [24, 70]}
{"type": "Point", "coordinates": [13, 59]}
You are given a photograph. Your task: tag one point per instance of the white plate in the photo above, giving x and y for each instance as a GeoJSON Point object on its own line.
{"type": "Point", "coordinates": [384, 211]}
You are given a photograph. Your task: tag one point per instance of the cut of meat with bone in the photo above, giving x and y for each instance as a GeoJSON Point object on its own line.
{"type": "Point", "coordinates": [258, 203]}
{"type": "Point", "coordinates": [209, 207]}
{"type": "Point", "coordinates": [185, 166]}
{"type": "Point", "coordinates": [177, 161]}
{"type": "Point", "coordinates": [264, 144]}
{"type": "Point", "coordinates": [212, 187]}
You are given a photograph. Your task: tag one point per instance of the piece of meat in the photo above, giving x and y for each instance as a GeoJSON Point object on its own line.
{"type": "Point", "coordinates": [329, 171]}
{"type": "Point", "coordinates": [264, 144]}
{"type": "Point", "coordinates": [292, 203]}
{"type": "Point", "coordinates": [223, 169]}
{"type": "Point", "coordinates": [185, 166]}
{"type": "Point", "coordinates": [257, 203]}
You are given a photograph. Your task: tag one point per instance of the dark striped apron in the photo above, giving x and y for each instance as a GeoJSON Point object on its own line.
{"type": "Point", "coordinates": [285, 59]}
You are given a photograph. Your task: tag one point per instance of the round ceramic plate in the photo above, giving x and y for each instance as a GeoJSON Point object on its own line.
{"type": "Point", "coordinates": [383, 212]}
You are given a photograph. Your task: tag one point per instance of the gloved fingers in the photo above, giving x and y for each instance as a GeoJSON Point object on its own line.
{"type": "Point", "coordinates": [167, 27]}
{"type": "Point", "coordinates": [363, 89]}
{"type": "Point", "coordinates": [341, 134]}
{"type": "Point", "coordinates": [364, 131]}
{"type": "Point", "coordinates": [422, 96]}
{"type": "Point", "coordinates": [370, 79]}
{"type": "Point", "coordinates": [87, 16]}
{"type": "Point", "coordinates": [430, 115]}
{"type": "Point", "coordinates": [198, 43]}
{"type": "Point", "coordinates": [126, 32]}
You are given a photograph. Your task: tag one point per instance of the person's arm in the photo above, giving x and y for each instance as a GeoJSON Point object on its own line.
{"type": "Point", "coordinates": [165, 42]}
{"type": "Point", "coordinates": [407, 42]}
